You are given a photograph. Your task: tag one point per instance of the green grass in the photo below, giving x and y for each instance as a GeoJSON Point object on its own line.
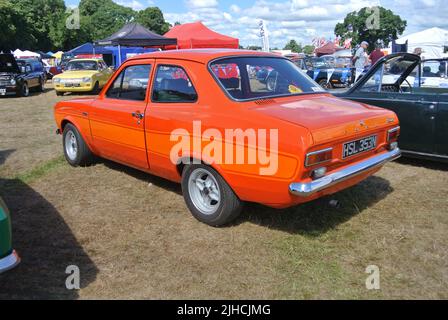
{"type": "Point", "coordinates": [41, 170]}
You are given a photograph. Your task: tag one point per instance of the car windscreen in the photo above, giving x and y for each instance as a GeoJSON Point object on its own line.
{"type": "Point", "coordinates": [246, 78]}
{"type": "Point", "coordinates": [81, 65]}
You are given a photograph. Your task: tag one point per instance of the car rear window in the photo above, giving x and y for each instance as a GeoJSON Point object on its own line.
{"type": "Point", "coordinates": [246, 78]}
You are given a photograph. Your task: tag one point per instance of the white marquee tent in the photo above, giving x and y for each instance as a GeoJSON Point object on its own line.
{"type": "Point", "coordinates": [25, 54]}
{"type": "Point", "coordinates": [432, 41]}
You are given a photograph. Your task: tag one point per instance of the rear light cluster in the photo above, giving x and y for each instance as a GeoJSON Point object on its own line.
{"type": "Point", "coordinates": [392, 138]}
{"type": "Point", "coordinates": [318, 157]}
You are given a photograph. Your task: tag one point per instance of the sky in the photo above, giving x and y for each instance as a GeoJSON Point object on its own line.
{"type": "Point", "coordinates": [302, 20]}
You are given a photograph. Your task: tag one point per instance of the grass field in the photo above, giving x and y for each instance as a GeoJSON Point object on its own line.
{"type": "Point", "coordinates": [132, 236]}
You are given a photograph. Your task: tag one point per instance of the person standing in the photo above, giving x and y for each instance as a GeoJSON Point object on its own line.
{"type": "Point", "coordinates": [360, 58]}
{"type": "Point", "coordinates": [376, 55]}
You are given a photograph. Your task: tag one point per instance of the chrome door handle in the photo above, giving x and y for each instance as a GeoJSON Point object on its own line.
{"type": "Point", "coordinates": [138, 115]}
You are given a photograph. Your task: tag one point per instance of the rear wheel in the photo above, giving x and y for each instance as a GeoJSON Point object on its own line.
{"type": "Point", "coordinates": [325, 84]}
{"type": "Point", "coordinates": [41, 87]}
{"type": "Point", "coordinates": [76, 151]}
{"type": "Point", "coordinates": [208, 196]}
{"type": "Point", "coordinates": [59, 94]}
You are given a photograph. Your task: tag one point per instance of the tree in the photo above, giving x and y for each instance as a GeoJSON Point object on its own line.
{"type": "Point", "coordinates": [16, 32]}
{"type": "Point", "coordinates": [104, 17]}
{"type": "Point", "coordinates": [42, 18]}
{"type": "Point", "coordinates": [308, 49]}
{"type": "Point", "coordinates": [254, 48]}
{"type": "Point", "coordinates": [373, 25]}
{"type": "Point", "coordinates": [293, 46]}
{"type": "Point", "coordinates": [152, 18]}
{"type": "Point", "coordinates": [42, 24]}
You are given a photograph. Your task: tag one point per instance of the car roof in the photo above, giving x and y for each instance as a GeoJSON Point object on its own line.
{"type": "Point", "coordinates": [201, 55]}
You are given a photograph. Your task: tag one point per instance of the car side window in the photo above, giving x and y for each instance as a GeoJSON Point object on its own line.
{"type": "Point", "coordinates": [172, 85]}
{"type": "Point", "coordinates": [131, 83]}
{"type": "Point", "coordinates": [388, 76]}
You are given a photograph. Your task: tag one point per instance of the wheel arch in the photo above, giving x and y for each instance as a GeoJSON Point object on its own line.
{"type": "Point", "coordinates": [74, 122]}
{"type": "Point", "coordinates": [195, 159]}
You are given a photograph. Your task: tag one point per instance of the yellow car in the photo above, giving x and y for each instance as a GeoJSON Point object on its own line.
{"type": "Point", "coordinates": [82, 75]}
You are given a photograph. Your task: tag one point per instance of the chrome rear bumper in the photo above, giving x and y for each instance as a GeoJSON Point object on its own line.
{"type": "Point", "coordinates": [9, 262]}
{"type": "Point", "coordinates": [307, 189]}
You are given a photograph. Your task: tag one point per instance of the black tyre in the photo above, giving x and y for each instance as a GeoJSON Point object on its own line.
{"type": "Point", "coordinates": [59, 93]}
{"type": "Point", "coordinates": [325, 84]}
{"type": "Point", "coordinates": [208, 196]}
{"type": "Point", "coordinates": [24, 90]}
{"type": "Point", "coordinates": [76, 151]}
{"type": "Point", "coordinates": [41, 87]}
{"type": "Point", "coordinates": [96, 88]}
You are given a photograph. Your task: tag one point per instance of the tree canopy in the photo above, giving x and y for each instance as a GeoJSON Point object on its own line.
{"type": "Point", "coordinates": [42, 24]}
{"type": "Point", "coordinates": [374, 25]}
{"type": "Point", "coordinates": [293, 46]}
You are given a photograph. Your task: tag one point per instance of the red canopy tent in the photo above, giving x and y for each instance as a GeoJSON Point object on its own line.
{"type": "Point", "coordinates": [329, 48]}
{"type": "Point", "coordinates": [196, 35]}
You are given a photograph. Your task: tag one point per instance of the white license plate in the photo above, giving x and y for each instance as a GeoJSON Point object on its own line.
{"type": "Point", "coordinates": [358, 146]}
{"type": "Point", "coordinates": [2, 92]}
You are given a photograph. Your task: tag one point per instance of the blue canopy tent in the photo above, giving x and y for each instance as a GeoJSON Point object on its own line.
{"type": "Point", "coordinates": [89, 48]}
{"type": "Point", "coordinates": [123, 53]}
{"type": "Point", "coordinates": [111, 54]}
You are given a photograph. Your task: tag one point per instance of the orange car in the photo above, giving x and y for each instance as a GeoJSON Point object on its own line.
{"type": "Point", "coordinates": [227, 137]}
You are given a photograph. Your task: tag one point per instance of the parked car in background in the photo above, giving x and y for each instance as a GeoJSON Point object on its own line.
{"type": "Point", "coordinates": [18, 77]}
{"type": "Point", "coordinates": [8, 257]}
{"type": "Point", "coordinates": [418, 94]}
{"type": "Point", "coordinates": [319, 144]}
{"type": "Point", "coordinates": [330, 72]}
{"type": "Point", "coordinates": [434, 73]}
{"type": "Point", "coordinates": [51, 70]}
{"type": "Point", "coordinates": [82, 75]}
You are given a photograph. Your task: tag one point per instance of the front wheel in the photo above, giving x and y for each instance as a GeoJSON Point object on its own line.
{"type": "Point", "coordinates": [76, 151]}
{"type": "Point", "coordinates": [96, 88]}
{"type": "Point", "coordinates": [208, 196]}
{"type": "Point", "coordinates": [24, 90]}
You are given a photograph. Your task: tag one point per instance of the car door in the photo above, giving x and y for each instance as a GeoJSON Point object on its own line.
{"type": "Point", "coordinates": [393, 84]}
{"type": "Point", "coordinates": [434, 79]}
{"type": "Point", "coordinates": [30, 76]}
{"type": "Point", "coordinates": [117, 116]}
{"type": "Point", "coordinates": [174, 105]}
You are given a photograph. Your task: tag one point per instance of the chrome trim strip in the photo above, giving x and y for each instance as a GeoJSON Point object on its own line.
{"type": "Point", "coordinates": [9, 262]}
{"type": "Point", "coordinates": [308, 189]}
